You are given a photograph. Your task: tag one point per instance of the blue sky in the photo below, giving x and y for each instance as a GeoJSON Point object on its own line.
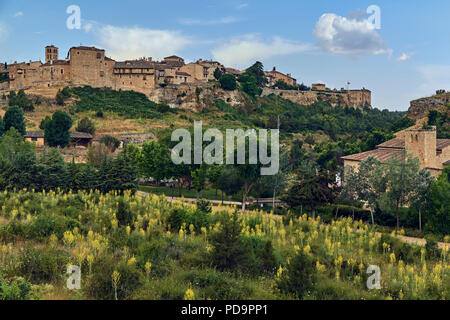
{"type": "Point", "coordinates": [327, 41]}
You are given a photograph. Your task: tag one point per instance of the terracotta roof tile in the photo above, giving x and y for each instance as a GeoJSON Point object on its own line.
{"type": "Point", "coordinates": [379, 154]}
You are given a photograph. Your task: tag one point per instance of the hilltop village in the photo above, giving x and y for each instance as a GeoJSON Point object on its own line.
{"type": "Point", "coordinates": [90, 66]}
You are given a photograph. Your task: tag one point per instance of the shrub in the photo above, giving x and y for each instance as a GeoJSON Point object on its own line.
{"type": "Point", "coordinates": [42, 264]}
{"type": "Point", "coordinates": [86, 125]}
{"type": "Point", "coordinates": [267, 257]}
{"type": "Point", "coordinates": [124, 214]}
{"type": "Point", "coordinates": [228, 82]}
{"type": "Point", "coordinates": [18, 289]}
{"type": "Point", "coordinates": [162, 107]}
{"type": "Point", "coordinates": [230, 251]}
{"type": "Point", "coordinates": [100, 284]}
{"type": "Point", "coordinates": [432, 248]}
{"type": "Point", "coordinates": [111, 142]}
{"type": "Point", "coordinates": [45, 225]}
{"type": "Point", "coordinates": [300, 277]}
{"type": "Point", "coordinates": [176, 218]}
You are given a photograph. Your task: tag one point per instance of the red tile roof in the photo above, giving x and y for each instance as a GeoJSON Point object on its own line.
{"type": "Point", "coordinates": [379, 154]}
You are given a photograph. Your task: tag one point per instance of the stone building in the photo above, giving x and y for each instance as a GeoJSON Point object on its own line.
{"type": "Point", "coordinates": [274, 76]}
{"type": "Point", "coordinates": [433, 154]}
{"type": "Point", "coordinates": [319, 86]}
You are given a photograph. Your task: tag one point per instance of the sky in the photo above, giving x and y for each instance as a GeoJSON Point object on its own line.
{"type": "Point", "coordinates": [397, 49]}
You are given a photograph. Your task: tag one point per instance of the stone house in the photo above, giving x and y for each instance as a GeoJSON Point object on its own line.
{"type": "Point", "coordinates": [433, 154]}
{"type": "Point", "coordinates": [274, 76]}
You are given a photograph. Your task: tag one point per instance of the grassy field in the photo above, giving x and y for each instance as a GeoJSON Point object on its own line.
{"type": "Point", "coordinates": [208, 194]}
{"type": "Point", "coordinates": [133, 247]}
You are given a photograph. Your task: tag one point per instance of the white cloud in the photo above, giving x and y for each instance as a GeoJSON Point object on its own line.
{"type": "Point", "coordinates": [242, 5]}
{"type": "Point", "coordinates": [340, 35]}
{"type": "Point", "coordinates": [404, 57]}
{"type": "Point", "coordinates": [224, 20]}
{"type": "Point", "coordinates": [18, 14]}
{"type": "Point", "coordinates": [126, 43]}
{"type": "Point", "coordinates": [241, 51]}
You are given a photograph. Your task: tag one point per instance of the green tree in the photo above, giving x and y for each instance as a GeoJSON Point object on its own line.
{"type": "Point", "coordinates": [21, 100]}
{"type": "Point", "coordinates": [44, 122]}
{"type": "Point", "coordinates": [300, 277]}
{"type": "Point", "coordinates": [249, 85]}
{"type": "Point", "coordinates": [217, 73]}
{"type": "Point", "coordinates": [2, 126]}
{"type": "Point", "coordinates": [402, 180]}
{"type": "Point", "coordinates": [228, 82]}
{"type": "Point", "coordinates": [14, 118]}
{"type": "Point", "coordinates": [310, 189]}
{"type": "Point", "coordinates": [437, 213]}
{"type": "Point", "coordinates": [368, 184]}
{"type": "Point", "coordinates": [60, 98]}
{"type": "Point", "coordinates": [199, 179]}
{"type": "Point", "coordinates": [155, 161]}
{"type": "Point", "coordinates": [86, 125]}
{"type": "Point", "coordinates": [230, 251]}
{"type": "Point", "coordinates": [213, 173]}
{"type": "Point", "coordinates": [257, 71]}
{"type": "Point", "coordinates": [56, 131]}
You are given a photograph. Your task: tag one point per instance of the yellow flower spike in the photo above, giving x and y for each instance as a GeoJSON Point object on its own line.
{"type": "Point", "coordinates": [279, 271]}
{"type": "Point", "coordinates": [189, 295]}
{"type": "Point", "coordinates": [131, 261]}
{"type": "Point", "coordinates": [128, 229]}
{"type": "Point", "coordinates": [148, 267]}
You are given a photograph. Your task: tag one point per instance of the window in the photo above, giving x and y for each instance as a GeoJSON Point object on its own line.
{"type": "Point", "coordinates": [62, 71]}
{"type": "Point", "coordinates": [102, 73]}
{"type": "Point", "coordinates": [99, 55]}
{"type": "Point", "coordinates": [33, 139]}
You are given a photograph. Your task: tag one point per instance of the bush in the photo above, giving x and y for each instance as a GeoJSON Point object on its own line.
{"type": "Point", "coordinates": [432, 248]}
{"type": "Point", "coordinates": [100, 284]}
{"type": "Point", "coordinates": [42, 264]}
{"type": "Point", "coordinates": [45, 225]}
{"type": "Point", "coordinates": [230, 251]}
{"type": "Point", "coordinates": [330, 289]}
{"type": "Point", "coordinates": [86, 125]}
{"type": "Point", "coordinates": [124, 214]}
{"type": "Point", "coordinates": [162, 108]}
{"type": "Point", "coordinates": [228, 82]}
{"type": "Point", "coordinates": [300, 277]}
{"type": "Point", "coordinates": [18, 289]}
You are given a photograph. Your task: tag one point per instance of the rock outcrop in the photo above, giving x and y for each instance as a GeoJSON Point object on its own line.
{"type": "Point", "coordinates": [419, 108]}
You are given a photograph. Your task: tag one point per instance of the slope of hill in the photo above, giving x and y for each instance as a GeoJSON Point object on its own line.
{"type": "Point", "coordinates": [131, 247]}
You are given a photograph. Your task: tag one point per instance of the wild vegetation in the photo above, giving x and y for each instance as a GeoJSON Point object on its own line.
{"type": "Point", "coordinates": [133, 247]}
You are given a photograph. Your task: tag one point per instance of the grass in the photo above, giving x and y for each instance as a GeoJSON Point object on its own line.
{"type": "Point", "coordinates": [161, 249]}
{"type": "Point", "coordinates": [208, 194]}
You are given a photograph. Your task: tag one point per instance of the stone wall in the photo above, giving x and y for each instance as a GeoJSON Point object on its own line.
{"type": "Point", "coordinates": [353, 99]}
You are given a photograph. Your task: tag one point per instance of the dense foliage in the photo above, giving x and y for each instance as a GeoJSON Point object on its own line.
{"type": "Point", "coordinates": [124, 103]}
{"type": "Point", "coordinates": [22, 168]}
{"type": "Point", "coordinates": [135, 247]}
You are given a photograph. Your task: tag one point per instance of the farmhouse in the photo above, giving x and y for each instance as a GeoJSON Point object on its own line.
{"type": "Point", "coordinates": [433, 154]}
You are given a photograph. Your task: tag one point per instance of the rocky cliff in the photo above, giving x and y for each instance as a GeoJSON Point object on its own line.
{"type": "Point", "coordinates": [419, 108]}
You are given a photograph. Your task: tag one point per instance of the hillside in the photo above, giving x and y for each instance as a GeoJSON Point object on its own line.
{"type": "Point", "coordinates": [133, 247]}
{"type": "Point", "coordinates": [128, 111]}
{"type": "Point", "coordinates": [434, 110]}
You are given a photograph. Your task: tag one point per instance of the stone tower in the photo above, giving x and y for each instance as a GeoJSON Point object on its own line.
{"type": "Point", "coordinates": [421, 143]}
{"type": "Point", "coordinates": [51, 54]}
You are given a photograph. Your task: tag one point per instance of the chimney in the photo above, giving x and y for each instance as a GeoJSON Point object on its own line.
{"type": "Point", "coordinates": [421, 144]}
